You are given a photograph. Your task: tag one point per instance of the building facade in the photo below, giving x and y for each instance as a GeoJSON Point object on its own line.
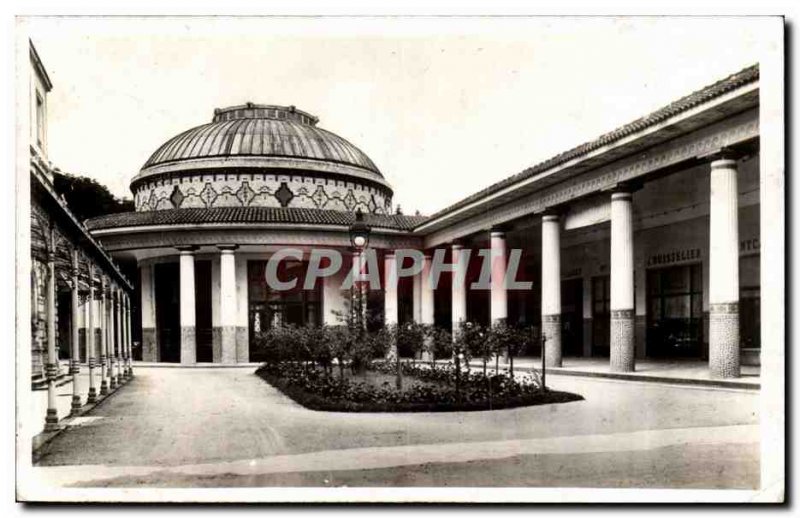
{"type": "Point", "coordinates": [641, 244]}
{"type": "Point", "coordinates": [80, 299]}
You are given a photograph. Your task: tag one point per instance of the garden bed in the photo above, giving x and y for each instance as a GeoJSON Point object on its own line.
{"type": "Point", "coordinates": [425, 389]}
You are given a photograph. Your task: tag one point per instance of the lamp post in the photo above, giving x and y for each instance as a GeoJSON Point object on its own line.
{"type": "Point", "coordinates": [359, 238]}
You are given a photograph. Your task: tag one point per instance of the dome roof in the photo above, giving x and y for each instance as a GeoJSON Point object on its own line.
{"type": "Point", "coordinates": [253, 130]}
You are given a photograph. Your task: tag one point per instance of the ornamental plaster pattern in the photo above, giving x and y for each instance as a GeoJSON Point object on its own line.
{"type": "Point", "coordinates": [729, 132]}
{"type": "Point", "coordinates": [260, 190]}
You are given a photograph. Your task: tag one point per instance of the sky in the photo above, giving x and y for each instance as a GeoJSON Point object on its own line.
{"type": "Point", "coordinates": [443, 106]}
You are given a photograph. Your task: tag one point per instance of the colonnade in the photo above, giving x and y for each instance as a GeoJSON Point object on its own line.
{"type": "Point", "coordinates": [724, 361]}
{"type": "Point", "coordinates": [106, 307]}
{"type": "Point", "coordinates": [724, 285]}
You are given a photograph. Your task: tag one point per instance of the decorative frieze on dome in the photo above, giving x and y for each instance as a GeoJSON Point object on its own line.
{"type": "Point", "coordinates": [260, 190]}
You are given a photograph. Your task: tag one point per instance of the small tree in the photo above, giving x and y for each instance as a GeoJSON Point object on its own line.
{"type": "Point", "coordinates": [411, 337]}
{"type": "Point", "coordinates": [465, 336]}
{"type": "Point", "coordinates": [439, 343]}
{"type": "Point", "coordinates": [279, 344]}
{"type": "Point", "coordinates": [519, 339]}
{"type": "Point", "coordinates": [340, 339]}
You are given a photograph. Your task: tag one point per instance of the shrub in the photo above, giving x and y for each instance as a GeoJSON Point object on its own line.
{"type": "Point", "coordinates": [314, 389]}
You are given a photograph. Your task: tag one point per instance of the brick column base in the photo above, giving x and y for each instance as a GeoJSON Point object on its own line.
{"type": "Point", "coordinates": [622, 340]}
{"type": "Point", "coordinates": [551, 330]}
{"type": "Point", "coordinates": [723, 340]}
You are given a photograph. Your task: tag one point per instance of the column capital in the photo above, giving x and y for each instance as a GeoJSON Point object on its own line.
{"type": "Point", "coordinates": [499, 231]}
{"type": "Point", "coordinates": [227, 248]}
{"type": "Point", "coordinates": [724, 163]}
{"type": "Point", "coordinates": [550, 216]}
{"type": "Point", "coordinates": [720, 155]}
{"type": "Point", "coordinates": [187, 249]}
{"type": "Point", "coordinates": [456, 245]}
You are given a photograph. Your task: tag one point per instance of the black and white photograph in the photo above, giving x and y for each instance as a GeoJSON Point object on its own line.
{"type": "Point", "coordinates": [454, 259]}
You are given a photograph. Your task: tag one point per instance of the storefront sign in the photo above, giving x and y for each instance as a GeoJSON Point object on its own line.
{"type": "Point", "coordinates": [677, 256]}
{"type": "Point", "coordinates": [750, 245]}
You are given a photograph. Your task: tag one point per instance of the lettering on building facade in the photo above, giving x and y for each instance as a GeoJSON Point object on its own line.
{"type": "Point", "coordinates": [676, 256]}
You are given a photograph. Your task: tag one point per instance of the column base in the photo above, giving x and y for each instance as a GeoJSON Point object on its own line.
{"type": "Point", "coordinates": [76, 404]}
{"type": "Point", "coordinates": [188, 345]}
{"type": "Point", "coordinates": [104, 388]}
{"type": "Point", "coordinates": [623, 340]}
{"type": "Point", "coordinates": [216, 345]}
{"type": "Point", "coordinates": [723, 340]}
{"type": "Point", "coordinates": [51, 420]}
{"type": "Point", "coordinates": [242, 345]}
{"type": "Point", "coordinates": [92, 397]}
{"type": "Point", "coordinates": [149, 345]}
{"type": "Point", "coordinates": [551, 331]}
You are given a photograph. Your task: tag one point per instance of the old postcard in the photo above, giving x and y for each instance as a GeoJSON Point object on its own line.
{"type": "Point", "coordinates": [400, 259]}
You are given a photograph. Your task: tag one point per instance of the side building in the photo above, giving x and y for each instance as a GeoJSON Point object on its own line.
{"type": "Point", "coordinates": [80, 299]}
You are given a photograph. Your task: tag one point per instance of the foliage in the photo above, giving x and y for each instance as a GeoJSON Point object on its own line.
{"type": "Point", "coordinates": [411, 337]}
{"type": "Point", "coordinates": [87, 198]}
{"type": "Point", "coordinates": [314, 389]}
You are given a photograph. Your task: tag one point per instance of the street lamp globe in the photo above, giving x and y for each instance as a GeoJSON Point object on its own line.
{"type": "Point", "coordinates": [359, 232]}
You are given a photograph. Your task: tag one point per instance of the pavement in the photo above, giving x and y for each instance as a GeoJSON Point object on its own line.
{"type": "Point", "coordinates": [688, 372]}
{"type": "Point", "coordinates": [175, 427]}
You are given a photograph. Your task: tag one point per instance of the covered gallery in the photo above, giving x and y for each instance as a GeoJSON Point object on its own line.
{"type": "Point", "coordinates": [641, 244]}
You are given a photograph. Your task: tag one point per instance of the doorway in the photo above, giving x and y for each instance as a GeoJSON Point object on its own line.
{"type": "Point", "coordinates": [572, 317]}
{"type": "Point", "coordinates": [601, 315]}
{"type": "Point", "coordinates": [168, 310]}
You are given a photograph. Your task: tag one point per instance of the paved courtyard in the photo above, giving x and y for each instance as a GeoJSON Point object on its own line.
{"type": "Point", "coordinates": [173, 427]}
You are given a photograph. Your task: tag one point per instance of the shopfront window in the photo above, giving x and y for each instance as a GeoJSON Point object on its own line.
{"type": "Point", "coordinates": [750, 302]}
{"type": "Point", "coordinates": [268, 308]}
{"type": "Point", "coordinates": [675, 311]}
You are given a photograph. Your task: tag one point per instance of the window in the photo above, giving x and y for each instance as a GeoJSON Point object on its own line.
{"type": "Point", "coordinates": [675, 311]}
{"type": "Point", "coordinates": [39, 120]}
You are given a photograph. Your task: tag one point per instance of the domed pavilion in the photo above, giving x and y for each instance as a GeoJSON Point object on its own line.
{"type": "Point", "coordinates": [216, 201]}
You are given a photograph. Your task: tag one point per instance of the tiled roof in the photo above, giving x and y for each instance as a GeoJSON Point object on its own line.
{"type": "Point", "coordinates": [732, 82]}
{"type": "Point", "coordinates": [218, 215]}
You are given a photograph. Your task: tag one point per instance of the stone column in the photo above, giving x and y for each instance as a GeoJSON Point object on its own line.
{"type": "Point", "coordinates": [113, 361]}
{"type": "Point", "coordinates": [51, 368]}
{"type": "Point", "coordinates": [103, 339]}
{"type": "Point", "coordinates": [459, 287]}
{"type": "Point", "coordinates": [499, 291]}
{"type": "Point", "coordinates": [551, 288]}
{"type": "Point", "coordinates": [188, 331]}
{"type": "Point", "coordinates": [723, 326]}
{"type": "Point", "coordinates": [128, 335]}
{"type": "Point", "coordinates": [227, 309]}
{"type": "Point", "coordinates": [74, 363]}
{"type": "Point", "coordinates": [242, 311]}
{"type": "Point", "coordinates": [390, 309]}
{"type": "Point", "coordinates": [124, 333]}
{"type": "Point", "coordinates": [426, 306]}
{"type": "Point", "coordinates": [622, 310]}
{"type": "Point", "coordinates": [416, 298]}
{"type": "Point", "coordinates": [91, 346]}
{"type": "Point", "coordinates": [150, 351]}
{"type": "Point", "coordinates": [121, 355]}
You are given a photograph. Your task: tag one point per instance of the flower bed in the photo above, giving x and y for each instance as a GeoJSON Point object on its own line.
{"type": "Point", "coordinates": [441, 390]}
